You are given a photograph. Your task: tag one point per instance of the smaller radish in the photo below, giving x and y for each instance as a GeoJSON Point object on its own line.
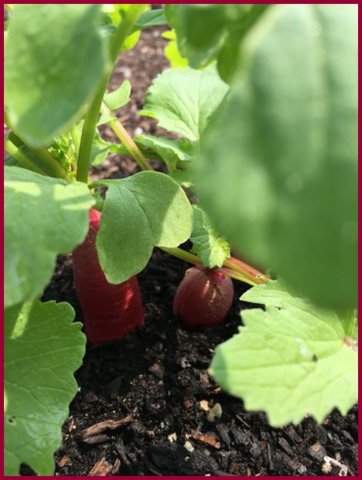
{"type": "Point", "coordinates": [109, 311]}
{"type": "Point", "coordinates": [204, 297]}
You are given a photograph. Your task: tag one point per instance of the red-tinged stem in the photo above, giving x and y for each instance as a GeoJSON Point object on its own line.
{"type": "Point", "coordinates": [242, 267]}
{"type": "Point", "coordinates": [109, 311]}
{"type": "Point", "coordinates": [230, 268]}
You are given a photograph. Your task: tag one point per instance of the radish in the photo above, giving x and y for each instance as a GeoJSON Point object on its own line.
{"type": "Point", "coordinates": [109, 311]}
{"type": "Point", "coordinates": [204, 297]}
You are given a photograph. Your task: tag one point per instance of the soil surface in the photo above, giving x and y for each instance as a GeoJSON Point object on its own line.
{"type": "Point", "coordinates": [143, 402]}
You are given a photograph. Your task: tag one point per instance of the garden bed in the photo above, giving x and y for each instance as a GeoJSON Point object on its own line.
{"type": "Point", "coordinates": [143, 402]}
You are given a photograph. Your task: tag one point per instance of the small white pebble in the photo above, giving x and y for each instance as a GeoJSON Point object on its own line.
{"type": "Point", "coordinates": [188, 446]}
{"type": "Point", "coordinates": [138, 131]}
{"type": "Point", "coordinates": [216, 411]}
{"type": "Point", "coordinates": [172, 437]}
{"type": "Point", "coordinates": [327, 466]}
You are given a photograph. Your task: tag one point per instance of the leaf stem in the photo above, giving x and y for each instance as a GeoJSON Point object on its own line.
{"type": "Point", "coordinates": [90, 122]}
{"type": "Point", "coordinates": [20, 156]}
{"type": "Point", "coordinates": [54, 166]}
{"type": "Point", "coordinates": [230, 271]}
{"type": "Point", "coordinates": [51, 164]}
{"type": "Point", "coordinates": [127, 140]}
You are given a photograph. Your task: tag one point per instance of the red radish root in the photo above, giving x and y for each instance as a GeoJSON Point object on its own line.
{"type": "Point", "coordinates": [204, 297]}
{"type": "Point", "coordinates": [109, 311]}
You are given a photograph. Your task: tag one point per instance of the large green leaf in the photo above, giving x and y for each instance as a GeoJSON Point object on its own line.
{"type": "Point", "coordinates": [183, 100]}
{"type": "Point", "coordinates": [139, 212]}
{"type": "Point", "coordinates": [43, 348]}
{"type": "Point", "coordinates": [288, 361]}
{"type": "Point", "coordinates": [200, 30]}
{"type": "Point", "coordinates": [278, 175]}
{"type": "Point", "coordinates": [54, 61]}
{"type": "Point", "coordinates": [211, 32]}
{"type": "Point", "coordinates": [44, 216]}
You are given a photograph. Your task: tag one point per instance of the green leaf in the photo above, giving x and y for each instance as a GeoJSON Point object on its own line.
{"type": "Point", "coordinates": [130, 41]}
{"type": "Point", "coordinates": [119, 97]}
{"type": "Point", "coordinates": [140, 212]}
{"type": "Point", "coordinates": [183, 100]}
{"type": "Point", "coordinates": [151, 18]}
{"type": "Point", "coordinates": [285, 151]}
{"type": "Point", "coordinates": [54, 61]}
{"type": "Point", "coordinates": [43, 348]}
{"type": "Point", "coordinates": [170, 151]}
{"type": "Point", "coordinates": [228, 57]}
{"type": "Point", "coordinates": [207, 244]}
{"type": "Point", "coordinates": [100, 149]}
{"type": "Point", "coordinates": [212, 32]}
{"type": "Point", "coordinates": [171, 51]}
{"type": "Point", "coordinates": [44, 216]}
{"type": "Point", "coordinates": [200, 31]}
{"type": "Point", "coordinates": [288, 362]}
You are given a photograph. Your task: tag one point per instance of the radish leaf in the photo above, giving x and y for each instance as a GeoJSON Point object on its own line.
{"type": "Point", "coordinates": [119, 97]}
{"type": "Point", "coordinates": [34, 236]}
{"type": "Point", "coordinates": [207, 244]}
{"type": "Point", "coordinates": [43, 348]}
{"type": "Point", "coordinates": [288, 361]}
{"type": "Point", "coordinates": [139, 212]}
{"type": "Point", "coordinates": [285, 151]}
{"type": "Point", "coordinates": [43, 93]}
{"type": "Point", "coordinates": [170, 151]}
{"type": "Point", "coordinates": [183, 100]}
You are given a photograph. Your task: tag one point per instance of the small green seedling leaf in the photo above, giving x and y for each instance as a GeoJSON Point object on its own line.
{"type": "Point", "coordinates": [207, 244]}
{"type": "Point", "coordinates": [172, 53]}
{"type": "Point", "coordinates": [151, 18]}
{"type": "Point", "coordinates": [119, 97]}
{"type": "Point", "coordinates": [45, 90]}
{"type": "Point", "coordinates": [170, 151]}
{"type": "Point", "coordinates": [142, 211]}
{"type": "Point", "coordinates": [34, 236]}
{"type": "Point", "coordinates": [183, 99]}
{"type": "Point", "coordinates": [288, 361]}
{"type": "Point", "coordinates": [43, 348]}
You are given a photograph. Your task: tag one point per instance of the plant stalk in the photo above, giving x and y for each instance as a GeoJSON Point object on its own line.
{"type": "Point", "coordinates": [20, 156]}
{"type": "Point", "coordinates": [230, 271]}
{"type": "Point", "coordinates": [127, 141]}
{"type": "Point", "coordinates": [90, 123]}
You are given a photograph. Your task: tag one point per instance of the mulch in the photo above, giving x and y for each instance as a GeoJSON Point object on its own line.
{"type": "Point", "coordinates": [143, 403]}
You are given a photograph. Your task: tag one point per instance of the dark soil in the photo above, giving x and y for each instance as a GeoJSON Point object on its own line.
{"type": "Point", "coordinates": [153, 388]}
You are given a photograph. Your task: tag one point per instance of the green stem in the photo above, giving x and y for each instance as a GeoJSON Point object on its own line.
{"type": "Point", "coordinates": [76, 140]}
{"type": "Point", "coordinates": [21, 157]}
{"type": "Point", "coordinates": [183, 255]}
{"type": "Point", "coordinates": [52, 165]}
{"type": "Point", "coordinates": [238, 266]}
{"type": "Point", "coordinates": [90, 123]}
{"type": "Point", "coordinates": [89, 127]}
{"type": "Point", "coordinates": [127, 140]}
{"type": "Point", "coordinates": [229, 271]}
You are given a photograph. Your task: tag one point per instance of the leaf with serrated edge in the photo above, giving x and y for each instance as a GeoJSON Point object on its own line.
{"type": "Point", "coordinates": [207, 244]}
{"type": "Point", "coordinates": [142, 211]}
{"type": "Point", "coordinates": [288, 362]}
{"type": "Point", "coordinates": [44, 91]}
{"type": "Point", "coordinates": [44, 217]}
{"type": "Point", "coordinates": [183, 99]}
{"type": "Point", "coordinates": [170, 150]}
{"type": "Point", "coordinates": [43, 348]}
